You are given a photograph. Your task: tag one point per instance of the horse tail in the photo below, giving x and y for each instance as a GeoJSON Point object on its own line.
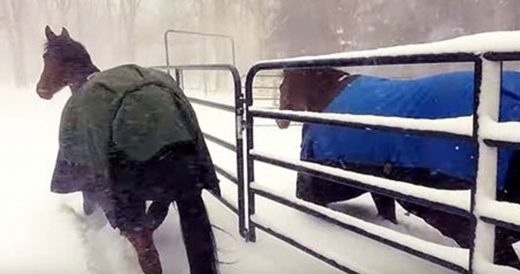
{"type": "Point", "coordinates": [198, 236]}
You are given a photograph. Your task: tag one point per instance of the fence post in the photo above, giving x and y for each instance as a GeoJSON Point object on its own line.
{"type": "Point", "coordinates": [488, 82]}
{"type": "Point", "coordinates": [251, 233]}
{"type": "Point", "coordinates": [240, 125]}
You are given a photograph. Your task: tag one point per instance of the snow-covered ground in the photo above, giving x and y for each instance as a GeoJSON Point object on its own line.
{"type": "Point", "coordinates": [41, 232]}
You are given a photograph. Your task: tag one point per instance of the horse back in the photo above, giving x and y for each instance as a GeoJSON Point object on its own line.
{"type": "Point", "coordinates": [135, 115]}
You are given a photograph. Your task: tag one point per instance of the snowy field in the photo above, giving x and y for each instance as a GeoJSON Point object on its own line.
{"type": "Point", "coordinates": [41, 232]}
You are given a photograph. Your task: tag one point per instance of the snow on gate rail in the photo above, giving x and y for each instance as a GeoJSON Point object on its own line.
{"type": "Point", "coordinates": [487, 52]}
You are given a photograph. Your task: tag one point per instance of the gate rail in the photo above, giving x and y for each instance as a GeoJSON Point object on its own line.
{"type": "Point", "coordinates": [237, 108]}
{"type": "Point", "coordinates": [479, 205]}
{"type": "Point", "coordinates": [170, 32]}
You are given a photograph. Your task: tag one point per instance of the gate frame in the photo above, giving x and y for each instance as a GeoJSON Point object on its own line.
{"type": "Point", "coordinates": [169, 32]}
{"type": "Point", "coordinates": [237, 109]}
{"type": "Point", "coordinates": [483, 194]}
{"type": "Point", "coordinates": [238, 147]}
{"type": "Point", "coordinates": [481, 252]}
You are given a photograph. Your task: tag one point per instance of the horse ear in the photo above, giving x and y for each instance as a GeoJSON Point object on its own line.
{"type": "Point", "coordinates": [64, 33]}
{"type": "Point", "coordinates": [49, 34]}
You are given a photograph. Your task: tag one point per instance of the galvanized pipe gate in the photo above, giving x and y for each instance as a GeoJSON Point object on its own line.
{"type": "Point", "coordinates": [482, 205]}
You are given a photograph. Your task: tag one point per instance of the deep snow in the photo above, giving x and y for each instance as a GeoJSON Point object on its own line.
{"type": "Point", "coordinates": [41, 232]}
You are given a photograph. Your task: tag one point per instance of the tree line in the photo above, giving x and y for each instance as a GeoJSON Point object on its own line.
{"type": "Point", "coordinates": [123, 31]}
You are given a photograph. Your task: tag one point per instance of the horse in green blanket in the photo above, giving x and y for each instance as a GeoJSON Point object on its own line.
{"type": "Point", "coordinates": [129, 135]}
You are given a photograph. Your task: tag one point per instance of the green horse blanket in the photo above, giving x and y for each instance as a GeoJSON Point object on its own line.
{"type": "Point", "coordinates": [130, 111]}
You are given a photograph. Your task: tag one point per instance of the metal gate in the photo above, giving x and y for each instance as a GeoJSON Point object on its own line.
{"type": "Point", "coordinates": [236, 177]}
{"type": "Point", "coordinates": [480, 206]}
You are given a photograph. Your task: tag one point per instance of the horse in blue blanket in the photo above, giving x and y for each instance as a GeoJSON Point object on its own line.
{"type": "Point", "coordinates": [434, 162]}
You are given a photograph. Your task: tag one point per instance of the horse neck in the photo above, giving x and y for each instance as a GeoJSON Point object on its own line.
{"type": "Point", "coordinates": [80, 76]}
{"type": "Point", "coordinates": [326, 89]}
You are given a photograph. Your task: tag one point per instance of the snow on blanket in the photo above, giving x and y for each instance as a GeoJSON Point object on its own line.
{"type": "Point", "coordinates": [435, 97]}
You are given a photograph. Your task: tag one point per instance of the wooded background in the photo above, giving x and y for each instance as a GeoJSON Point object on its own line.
{"type": "Point", "coordinates": [128, 31]}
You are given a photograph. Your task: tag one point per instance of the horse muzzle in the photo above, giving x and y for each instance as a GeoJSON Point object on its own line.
{"type": "Point", "coordinates": [44, 94]}
{"type": "Point", "coordinates": [283, 124]}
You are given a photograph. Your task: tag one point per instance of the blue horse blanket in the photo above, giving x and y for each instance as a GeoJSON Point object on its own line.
{"type": "Point", "coordinates": [440, 96]}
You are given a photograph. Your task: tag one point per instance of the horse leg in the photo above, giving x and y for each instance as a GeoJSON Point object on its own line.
{"type": "Point", "coordinates": [146, 251]}
{"type": "Point", "coordinates": [156, 214]}
{"type": "Point", "coordinates": [450, 225]}
{"type": "Point", "coordinates": [504, 238]}
{"type": "Point", "coordinates": [457, 228]}
{"type": "Point", "coordinates": [198, 236]}
{"type": "Point", "coordinates": [504, 252]}
{"type": "Point", "coordinates": [323, 192]}
{"type": "Point", "coordinates": [305, 189]}
{"type": "Point", "coordinates": [385, 207]}
{"type": "Point", "coordinates": [129, 215]}
{"type": "Point", "coordinates": [89, 202]}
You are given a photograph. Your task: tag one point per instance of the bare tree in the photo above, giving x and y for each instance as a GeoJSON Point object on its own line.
{"type": "Point", "coordinates": [82, 8]}
{"type": "Point", "coordinates": [304, 28]}
{"type": "Point", "coordinates": [267, 18]}
{"type": "Point", "coordinates": [63, 7]}
{"type": "Point", "coordinates": [128, 16]}
{"type": "Point", "coordinates": [13, 20]}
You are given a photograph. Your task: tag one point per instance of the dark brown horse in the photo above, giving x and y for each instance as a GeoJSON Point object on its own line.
{"type": "Point", "coordinates": [67, 63]}
{"type": "Point", "coordinates": [298, 92]}
{"type": "Point", "coordinates": [313, 90]}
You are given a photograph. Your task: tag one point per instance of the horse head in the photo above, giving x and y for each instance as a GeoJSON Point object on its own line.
{"type": "Point", "coordinates": [309, 89]}
{"type": "Point", "coordinates": [293, 93]}
{"type": "Point", "coordinates": [66, 63]}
